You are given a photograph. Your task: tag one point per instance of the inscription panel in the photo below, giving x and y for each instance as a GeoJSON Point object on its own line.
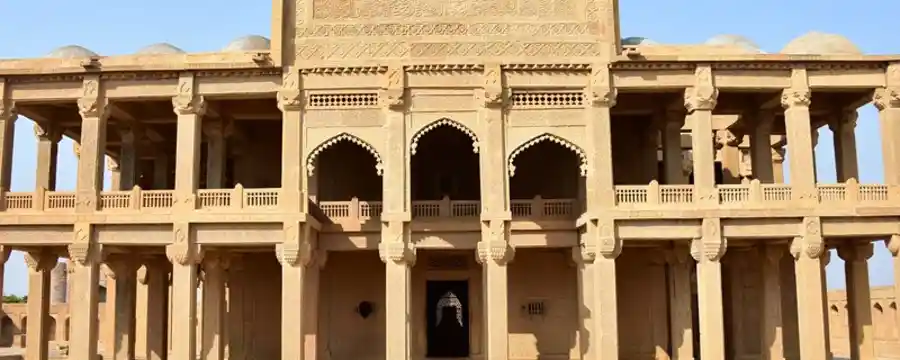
{"type": "Point", "coordinates": [418, 9]}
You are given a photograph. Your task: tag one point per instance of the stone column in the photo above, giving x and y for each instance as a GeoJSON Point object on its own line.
{"type": "Point", "coordinates": [215, 154]}
{"type": "Point", "coordinates": [8, 116]}
{"type": "Point", "coordinates": [761, 147]}
{"type": "Point", "coordinates": [494, 253]}
{"type": "Point", "coordinates": [681, 314]}
{"type": "Point", "coordinates": [778, 153]}
{"type": "Point", "coordinates": [700, 101]}
{"type": "Point", "coordinates": [650, 150]}
{"type": "Point", "coordinates": [185, 256]}
{"type": "Point", "coordinates": [215, 265]}
{"type": "Point", "coordinates": [161, 171]}
{"type": "Point", "coordinates": [600, 192]}
{"type": "Point", "coordinates": [859, 299]}
{"type": "Point", "coordinates": [728, 142]}
{"type": "Point", "coordinates": [887, 101]}
{"type": "Point", "coordinates": [189, 108]}
{"type": "Point", "coordinates": [311, 309]}
{"type": "Point", "coordinates": [596, 256]}
{"type": "Point", "coordinates": [128, 157]}
{"type": "Point", "coordinates": [236, 283]}
{"type": "Point", "coordinates": [37, 335]}
{"type": "Point", "coordinates": [672, 152]}
{"type": "Point", "coordinates": [115, 173]}
{"type": "Point", "coordinates": [121, 292]}
{"type": "Point", "coordinates": [48, 137]}
{"type": "Point", "coordinates": [893, 245]}
{"type": "Point", "coordinates": [771, 324]}
{"type": "Point", "coordinates": [94, 113]}
{"type": "Point", "coordinates": [85, 254]}
{"type": "Point", "coordinates": [795, 101]}
{"type": "Point", "coordinates": [708, 250]}
{"type": "Point", "coordinates": [59, 284]}
{"type": "Point", "coordinates": [295, 255]}
{"type": "Point", "coordinates": [843, 127]}
{"type": "Point", "coordinates": [398, 256]}
{"type": "Point", "coordinates": [808, 251]}
{"type": "Point", "coordinates": [293, 169]}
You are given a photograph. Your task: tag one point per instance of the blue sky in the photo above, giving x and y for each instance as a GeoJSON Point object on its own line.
{"type": "Point", "coordinates": [35, 27]}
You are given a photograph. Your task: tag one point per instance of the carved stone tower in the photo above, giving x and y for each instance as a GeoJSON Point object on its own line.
{"type": "Point", "coordinates": [315, 32]}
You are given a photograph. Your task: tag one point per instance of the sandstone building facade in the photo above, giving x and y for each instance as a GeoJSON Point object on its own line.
{"type": "Point", "coordinates": [487, 179]}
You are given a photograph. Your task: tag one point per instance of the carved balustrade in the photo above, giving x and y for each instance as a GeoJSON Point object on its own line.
{"type": "Point", "coordinates": [537, 208]}
{"type": "Point", "coordinates": [750, 194]}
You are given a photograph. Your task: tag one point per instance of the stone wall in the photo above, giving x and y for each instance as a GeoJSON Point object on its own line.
{"type": "Point", "coordinates": [884, 318]}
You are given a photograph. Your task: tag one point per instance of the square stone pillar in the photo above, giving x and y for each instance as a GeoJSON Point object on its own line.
{"type": "Point", "coordinates": [398, 257]}
{"type": "Point", "coordinates": [48, 137]}
{"type": "Point", "coordinates": [128, 157]}
{"type": "Point", "coordinates": [86, 258]}
{"type": "Point", "coordinates": [673, 160]}
{"type": "Point", "coordinates": [37, 335]}
{"type": "Point", "coordinates": [185, 256]}
{"type": "Point", "coordinates": [215, 154]}
{"type": "Point", "coordinates": [94, 112]}
{"type": "Point", "coordinates": [494, 253]}
{"type": "Point", "coordinates": [152, 325]}
{"type": "Point", "coordinates": [121, 292]}
{"type": "Point", "coordinates": [190, 109]}
{"type": "Point", "coordinates": [596, 256]}
{"type": "Point", "coordinates": [859, 299]}
{"type": "Point", "coordinates": [681, 314]}
{"type": "Point", "coordinates": [699, 101]}
{"type": "Point", "coordinates": [730, 155]}
{"type": "Point", "coordinates": [796, 101]}
{"type": "Point", "coordinates": [215, 265]}
{"type": "Point", "coordinates": [887, 101]}
{"type": "Point", "coordinates": [761, 147]}
{"type": "Point", "coordinates": [4, 256]}
{"type": "Point", "coordinates": [843, 126]}
{"type": "Point", "coordinates": [808, 251]}
{"type": "Point", "coordinates": [293, 169]}
{"type": "Point", "coordinates": [235, 321]}
{"type": "Point", "coordinates": [708, 251]}
{"type": "Point", "coordinates": [771, 324]}
{"type": "Point", "coordinates": [8, 116]}
{"type": "Point", "coordinates": [299, 292]}
{"type": "Point", "coordinates": [600, 188]}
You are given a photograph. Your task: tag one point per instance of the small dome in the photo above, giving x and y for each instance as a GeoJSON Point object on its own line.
{"type": "Point", "coordinates": [817, 43]}
{"type": "Point", "coordinates": [71, 52]}
{"type": "Point", "coordinates": [638, 40]}
{"type": "Point", "coordinates": [160, 49]}
{"type": "Point", "coordinates": [734, 40]}
{"type": "Point", "coordinates": [248, 43]}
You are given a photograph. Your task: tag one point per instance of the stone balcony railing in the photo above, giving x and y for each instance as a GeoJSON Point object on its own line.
{"type": "Point", "coordinates": [652, 196]}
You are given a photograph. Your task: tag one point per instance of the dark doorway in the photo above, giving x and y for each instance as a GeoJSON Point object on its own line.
{"type": "Point", "coordinates": [447, 307]}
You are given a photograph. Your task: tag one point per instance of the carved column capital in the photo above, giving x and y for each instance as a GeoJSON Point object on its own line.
{"type": "Point", "coordinates": [886, 98]}
{"type": "Point", "coordinates": [189, 105]}
{"type": "Point", "coordinates": [47, 132]}
{"type": "Point", "coordinates": [700, 98]}
{"type": "Point", "coordinates": [492, 93]}
{"type": "Point", "coordinates": [294, 254]}
{"type": "Point", "coordinates": [603, 92]}
{"type": "Point", "coordinates": [8, 111]}
{"type": "Point", "coordinates": [392, 94]}
{"type": "Point", "coordinates": [893, 244]}
{"type": "Point", "coordinates": [120, 265]}
{"type": "Point", "coordinates": [791, 98]}
{"type": "Point", "coordinates": [83, 250]}
{"type": "Point", "coordinates": [40, 260]}
{"type": "Point", "coordinates": [112, 164]}
{"type": "Point", "coordinates": [810, 243]}
{"type": "Point", "coordinates": [778, 154]}
{"type": "Point", "coordinates": [290, 96]}
{"type": "Point", "coordinates": [215, 260]}
{"type": "Point", "coordinates": [710, 245]}
{"type": "Point", "coordinates": [5, 251]}
{"type": "Point", "coordinates": [679, 255]}
{"type": "Point", "coordinates": [92, 103]}
{"type": "Point", "coordinates": [183, 250]}
{"type": "Point", "coordinates": [773, 253]}
{"type": "Point", "coordinates": [397, 253]}
{"type": "Point", "coordinates": [498, 252]}
{"type": "Point", "coordinates": [855, 252]}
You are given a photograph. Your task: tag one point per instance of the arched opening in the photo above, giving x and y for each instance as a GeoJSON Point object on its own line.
{"type": "Point", "coordinates": [546, 179]}
{"type": "Point", "coordinates": [345, 178]}
{"type": "Point", "coordinates": [445, 167]}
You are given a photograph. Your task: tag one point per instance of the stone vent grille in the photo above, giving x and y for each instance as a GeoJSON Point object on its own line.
{"type": "Point", "coordinates": [547, 99]}
{"type": "Point", "coordinates": [535, 308]}
{"type": "Point", "coordinates": [343, 100]}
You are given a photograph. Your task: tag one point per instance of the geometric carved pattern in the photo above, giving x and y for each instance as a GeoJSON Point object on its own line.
{"type": "Point", "coordinates": [547, 99]}
{"type": "Point", "coordinates": [342, 100]}
{"type": "Point", "coordinates": [552, 138]}
{"type": "Point", "coordinates": [355, 49]}
{"type": "Point", "coordinates": [443, 122]}
{"type": "Point", "coordinates": [311, 159]}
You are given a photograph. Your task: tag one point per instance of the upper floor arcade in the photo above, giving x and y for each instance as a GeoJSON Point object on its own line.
{"type": "Point", "coordinates": [456, 141]}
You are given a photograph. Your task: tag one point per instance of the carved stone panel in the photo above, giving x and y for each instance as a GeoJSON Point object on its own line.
{"type": "Point", "coordinates": [370, 29]}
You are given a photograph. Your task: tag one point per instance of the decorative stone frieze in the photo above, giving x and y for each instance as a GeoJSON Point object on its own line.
{"type": "Point", "coordinates": [711, 245]}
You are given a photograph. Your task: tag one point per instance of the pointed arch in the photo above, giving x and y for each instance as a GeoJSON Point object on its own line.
{"type": "Point", "coordinates": [414, 143]}
{"type": "Point", "coordinates": [582, 156]}
{"type": "Point", "coordinates": [311, 158]}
